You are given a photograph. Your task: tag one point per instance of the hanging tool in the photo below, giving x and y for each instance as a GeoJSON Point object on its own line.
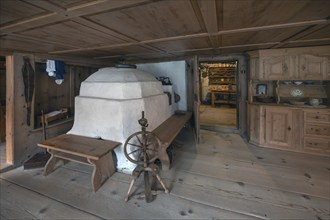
{"type": "Point", "coordinates": [28, 79]}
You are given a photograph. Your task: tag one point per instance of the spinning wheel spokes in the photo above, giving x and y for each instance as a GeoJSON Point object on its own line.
{"type": "Point", "coordinates": [141, 147]}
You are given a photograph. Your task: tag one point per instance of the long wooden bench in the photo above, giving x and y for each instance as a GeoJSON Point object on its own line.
{"type": "Point", "coordinates": [166, 132]}
{"type": "Point", "coordinates": [85, 150]}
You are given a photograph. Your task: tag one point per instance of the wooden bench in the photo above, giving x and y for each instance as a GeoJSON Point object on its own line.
{"type": "Point", "coordinates": [85, 150]}
{"type": "Point", "coordinates": [167, 132]}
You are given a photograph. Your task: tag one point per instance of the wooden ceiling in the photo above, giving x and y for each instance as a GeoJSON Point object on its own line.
{"type": "Point", "coordinates": [146, 30]}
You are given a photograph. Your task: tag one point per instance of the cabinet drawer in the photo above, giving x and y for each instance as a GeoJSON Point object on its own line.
{"type": "Point", "coordinates": [317, 145]}
{"type": "Point", "coordinates": [317, 116]}
{"type": "Point", "coordinates": [317, 129]}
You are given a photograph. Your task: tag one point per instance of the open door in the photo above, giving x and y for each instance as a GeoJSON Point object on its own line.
{"type": "Point", "coordinates": [219, 99]}
{"type": "Point", "coordinates": [196, 97]}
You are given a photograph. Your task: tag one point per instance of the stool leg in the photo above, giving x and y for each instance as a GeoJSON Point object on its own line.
{"type": "Point", "coordinates": [49, 167]}
{"type": "Point", "coordinates": [52, 161]}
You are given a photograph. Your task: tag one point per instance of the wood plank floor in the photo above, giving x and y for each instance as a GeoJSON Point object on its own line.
{"type": "Point", "coordinates": [217, 116]}
{"type": "Point", "coordinates": [222, 177]}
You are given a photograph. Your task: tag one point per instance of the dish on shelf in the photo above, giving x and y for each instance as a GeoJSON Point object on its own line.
{"type": "Point", "coordinates": [296, 92]}
{"type": "Point", "coordinates": [287, 82]}
{"type": "Point", "coordinates": [297, 82]}
{"type": "Point", "coordinates": [314, 102]}
{"type": "Point", "coordinates": [308, 82]}
{"type": "Point", "coordinates": [295, 102]}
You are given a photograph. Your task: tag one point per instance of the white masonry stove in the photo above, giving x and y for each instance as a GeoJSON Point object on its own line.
{"type": "Point", "coordinates": [110, 103]}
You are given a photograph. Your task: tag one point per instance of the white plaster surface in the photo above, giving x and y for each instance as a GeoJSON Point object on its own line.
{"type": "Point", "coordinates": [176, 71]}
{"type": "Point", "coordinates": [114, 115]}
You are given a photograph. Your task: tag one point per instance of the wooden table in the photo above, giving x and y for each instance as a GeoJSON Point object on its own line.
{"type": "Point", "coordinates": [85, 150]}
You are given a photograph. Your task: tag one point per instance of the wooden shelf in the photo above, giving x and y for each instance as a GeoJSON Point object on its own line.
{"type": "Point", "coordinates": [218, 76]}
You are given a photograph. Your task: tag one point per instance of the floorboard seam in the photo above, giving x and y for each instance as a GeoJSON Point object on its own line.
{"type": "Point", "coordinates": [84, 211]}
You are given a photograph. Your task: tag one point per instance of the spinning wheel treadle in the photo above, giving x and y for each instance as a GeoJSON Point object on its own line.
{"type": "Point", "coordinates": [142, 148]}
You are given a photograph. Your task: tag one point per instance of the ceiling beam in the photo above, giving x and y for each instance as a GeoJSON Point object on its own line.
{"type": "Point", "coordinates": [208, 10]}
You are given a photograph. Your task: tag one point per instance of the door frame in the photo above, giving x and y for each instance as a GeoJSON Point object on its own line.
{"type": "Point", "coordinates": [241, 88]}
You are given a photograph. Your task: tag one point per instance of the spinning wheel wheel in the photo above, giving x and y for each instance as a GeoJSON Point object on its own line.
{"type": "Point", "coordinates": [141, 148]}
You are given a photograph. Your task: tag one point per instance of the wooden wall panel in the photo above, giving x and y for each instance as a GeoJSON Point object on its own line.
{"type": "Point", "coordinates": [242, 13]}
{"type": "Point", "coordinates": [50, 96]}
{"type": "Point", "coordinates": [184, 44]}
{"type": "Point", "coordinates": [257, 37]}
{"type": "Point", "coordinates": [68, 31]}
{"type": "Point", "coordinates": [14, 10]}
{"type": "Point", "coordinates": [155, 20]}
{"type": "Point", "coordinates": [24, 44]}
{"type": "Point", "coordinates": [323, 33]}
{"type": "Point", "coordinates": [68, 3]}
{"type": "Point", "coordinates": [126, 50]}
{"type": "Point", "coordinates": [120, 29]}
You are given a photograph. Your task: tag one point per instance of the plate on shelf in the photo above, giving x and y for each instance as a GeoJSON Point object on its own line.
{"type": "Point", "coordinates": [295, 92]}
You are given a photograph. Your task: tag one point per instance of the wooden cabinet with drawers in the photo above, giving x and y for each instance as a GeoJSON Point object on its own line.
{"type": "Point", "coordinates": [317, 131]}
{"type": "Point", "coordinates": [293, 114]}
{"type": "Point", "coordinates": [290, 128]}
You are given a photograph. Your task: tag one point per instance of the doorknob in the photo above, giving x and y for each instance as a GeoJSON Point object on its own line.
{"type": "Point", "coordinates": [289, 128]}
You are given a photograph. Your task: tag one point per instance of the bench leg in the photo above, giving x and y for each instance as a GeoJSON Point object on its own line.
{"type": "Point", "coordinates": [103, 169]}
{"type": "Point", "coordinates": [163, 157]}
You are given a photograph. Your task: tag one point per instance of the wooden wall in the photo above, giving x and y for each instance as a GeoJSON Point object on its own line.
{"type": "Point", "coordinates": [21, 139]}
{"type": "Point", "coordinates": [50, 96]}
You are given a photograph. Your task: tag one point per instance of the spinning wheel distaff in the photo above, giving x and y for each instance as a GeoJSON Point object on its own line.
{"type": "Point", "coordinates": [142, 149]}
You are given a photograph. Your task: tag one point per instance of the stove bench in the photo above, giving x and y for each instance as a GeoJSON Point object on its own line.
{"type": "Point", "coordinates": [167, 131]}
{"type": "Point", "coordinates": [85, 150]}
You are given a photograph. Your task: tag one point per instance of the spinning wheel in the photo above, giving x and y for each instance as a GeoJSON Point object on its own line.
{"type": "Point", "coordinates": [141, 148]}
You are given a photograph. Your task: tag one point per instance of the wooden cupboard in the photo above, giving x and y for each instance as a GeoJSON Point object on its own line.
{"type": "Point", "coordinates": [290, 128]}
{"type": "Point", "coordinates": [290, 64]}
{"type": "Point", "coordinates": [286, 116]}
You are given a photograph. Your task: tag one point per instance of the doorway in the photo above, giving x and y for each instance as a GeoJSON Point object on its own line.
{"type": "Point", "coordinates": [218, 94]}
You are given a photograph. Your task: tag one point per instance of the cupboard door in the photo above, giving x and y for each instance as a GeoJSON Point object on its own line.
{"type": "Point", "coordinates": [278, 128]}
{"type": "Point", "coordinates": [313, 68]}
{"type": "Point", "coordinates": [277, 67]}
